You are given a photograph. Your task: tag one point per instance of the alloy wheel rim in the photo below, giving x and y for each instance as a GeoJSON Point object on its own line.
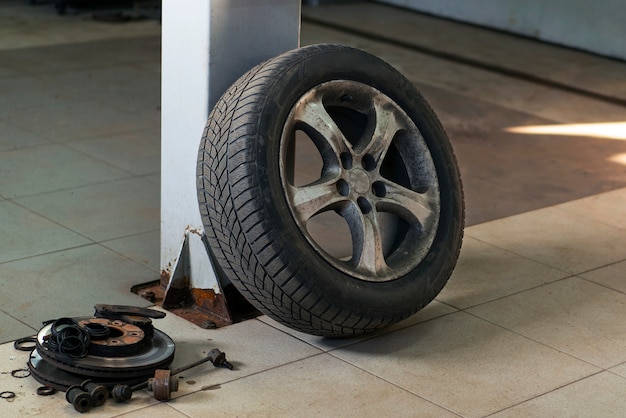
{"type": "Point", "coordinates": [376, 173]}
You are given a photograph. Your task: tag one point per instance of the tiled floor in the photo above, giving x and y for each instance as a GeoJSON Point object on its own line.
{"type": "Point", "coordinates": [531, 323]}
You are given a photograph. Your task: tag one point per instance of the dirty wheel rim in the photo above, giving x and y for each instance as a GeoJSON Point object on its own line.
{"type": "Point", "coordinates": [376, 174]}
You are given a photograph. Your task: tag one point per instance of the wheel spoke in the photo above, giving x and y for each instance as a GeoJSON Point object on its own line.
{"type": "Point", "coordinates": [368, 250]}
{"type": "Point", "coordinates": [386, 128]}
{"type": "Point", "coordinates": [312, 114]}
{"type": "Point", "coordinates": [314, 198]}
{"type": "Point", "coordinates": [408, 204]}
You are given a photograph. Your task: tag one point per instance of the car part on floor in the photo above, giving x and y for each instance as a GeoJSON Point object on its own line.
{"type": "Point", "coordinates": [88, 356]}
{"type": "Point", "coordinates": [362, 240]}
{"type": "Point", "coordinates": [46, 391]}
{"type": "Point", "coordinates": [115, 351]}
{"type": "Point", "coordinates": [163, 383]}
{"type": "Point", "coordinates": [25, 344]}
{"type": "Point", "coordinates": [98, 392]}
{"type": "Point", "coordinates": [79, 398]}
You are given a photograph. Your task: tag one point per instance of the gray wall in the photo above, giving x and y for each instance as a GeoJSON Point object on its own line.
{"type": "Point", "coordinates": [594, 25]}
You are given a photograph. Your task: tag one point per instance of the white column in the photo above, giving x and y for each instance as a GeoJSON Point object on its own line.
{"type": "Point", "coordinates": [206, 46]}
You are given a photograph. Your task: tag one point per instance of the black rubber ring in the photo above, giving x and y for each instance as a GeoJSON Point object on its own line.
{"type": "Point", "coordinates": [21, 344]}
{"type": "Point", "coordinates": [46, 391]}
{"type": "Point", "coordinates": [7, 394]}
{"type": "Point", "coordinates": [17, 373]}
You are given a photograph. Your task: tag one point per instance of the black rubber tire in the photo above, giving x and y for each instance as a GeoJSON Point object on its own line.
{"type": "Point", "coordinates": [254, 234]}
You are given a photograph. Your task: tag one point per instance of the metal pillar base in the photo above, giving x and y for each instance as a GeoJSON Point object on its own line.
{"type": "Point", "coordinates": [207, 45]}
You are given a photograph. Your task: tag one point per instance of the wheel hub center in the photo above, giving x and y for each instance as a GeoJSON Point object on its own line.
{"type": "Point", "coordinates": [359, 180]}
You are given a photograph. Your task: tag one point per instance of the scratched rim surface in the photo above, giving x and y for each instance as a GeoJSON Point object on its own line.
{"type": "Point", "coordinates": [377, 180]}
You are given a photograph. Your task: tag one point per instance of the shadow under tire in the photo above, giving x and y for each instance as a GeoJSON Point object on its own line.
{"type": "Point", "coordinates": [367, 237]}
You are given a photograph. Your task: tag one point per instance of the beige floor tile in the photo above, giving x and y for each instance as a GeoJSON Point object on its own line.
{"type": "Point", "coordinates": [103, 211]}
{"type": "Point", "coordinates": [608, 208]}
{"type": "Point", "coordinates": [613, 276]}
{"type": "Point", "coordinates": [138, 153]}
{"type": "Point", "coordinates": [80, 120]}
{"type": "Point", "coordinates": [69, 283]}
{"type": "Point", "coordinates": [573, 315]}
{"type": "Point", "coordinates": [160, 410]}
{"type": "Point", "coordinates": [12, 329]}
{"type": "Point", "coordinates": [25, 234]}
{"type": "Point", "coordinates": [559, 239]}
{"type": "Point", "coordinates": [620, 370]}
{"type": "Point", "coordinates": [12, 138]}
{"type": "Point", "coordinates": [251, 346]}
{"type": "Point", "coordinates": [321, 386]}
{"type": "Point", "coordinates": [142, 248]}
{"type": "Point", "coordinates": [484, 273]}
{"type": "Point", "coordinates": [433, 310]}
{"type": "Point", "coordinates": [601, 395]}
{"type": "Point", "coordinates": [47, 168]}
{"type": "Point", "coordinates": [465, 364]}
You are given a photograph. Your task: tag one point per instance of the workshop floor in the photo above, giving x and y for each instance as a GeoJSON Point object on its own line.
{"type": "Point", "coordinates": [531, 323]}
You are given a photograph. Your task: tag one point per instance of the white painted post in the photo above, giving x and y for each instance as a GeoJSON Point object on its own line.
{"type": "Point", "coordinates": [206, 46]}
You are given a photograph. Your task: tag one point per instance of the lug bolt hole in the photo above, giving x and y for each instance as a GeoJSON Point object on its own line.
{"type": "Point", "coordinates": [368, 162]}
{"type": "Point", "coordinates": [346, 160]}
{"type": "Point", "coordinates": [364, 205]}
{"type": "Point", "coordinates": [343, 187]}
{"type": "Point", "coordinates": [379, 189]}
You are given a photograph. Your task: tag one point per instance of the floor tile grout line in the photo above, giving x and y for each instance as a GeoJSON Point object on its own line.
{"type": "Point", "coordinates": [395, 385]}
{"type": "Point", "coordinates": [548, 392]}
{"type": "Point", "coordinates": [143, 408]}
{"type": "Point", "coordinates": [126, 173]}
{"type": "Point", "coordinates": [15, 199]}
{"type": "Point", "coordinates": [536, 341]}
{"type": "Point", "coordinates": [600, 284]}
{"type": "Point", "coordinates": [101, 160]}
{"type": "Point", "coordinates": [21, 322]}
{"type": "Point", "coordinates": [517, 292]}
{"type": "Point", "coordinates": [70, 102]}
{"type": "Point", "coordinates": [108, 135]}
{"type": "Point", "coordinates": [468, 234]}
{"type": "Point", "coordinates": [155, 270]}
{"type": "Point", "coordinates": [560, 208]}
{"type": "Point", "coordinates": [321, 353]}
{"type": "Point", "coordinates": [60, 250]}
{"type": "Point", "coordinates": [609, 370]}
{"type": "Point", "coordinates": [52, 220]}
{"type": "Point", "coordinates": [108, 240]}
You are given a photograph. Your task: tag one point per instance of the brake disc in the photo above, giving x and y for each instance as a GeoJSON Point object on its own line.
{"type": "Point", "coordinates": [51, 376]}
{"type": "Point", "coordinates": [126, 353]}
